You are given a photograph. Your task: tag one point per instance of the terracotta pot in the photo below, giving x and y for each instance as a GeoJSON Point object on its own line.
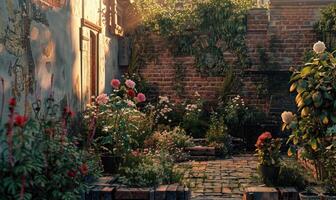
{"type": "Point", "coordinates": [269, 174]}
{"type": "Point", "coordinates": [328, 196]}
{"type": "Point", "coordinates": [111, 164]}
{"type": "Point", "coordinates": [309, 196]}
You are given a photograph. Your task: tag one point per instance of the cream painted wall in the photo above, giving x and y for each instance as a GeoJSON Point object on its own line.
{"type": "Point", "coordinates": [57, 52]}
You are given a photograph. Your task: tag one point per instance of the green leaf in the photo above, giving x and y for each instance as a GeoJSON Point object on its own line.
{"type": "Point", "coordinates": [306, 71]}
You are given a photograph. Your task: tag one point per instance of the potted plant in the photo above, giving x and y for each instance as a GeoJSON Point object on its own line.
{"type": "Point", "coordinates": [112, 123]}
{"type": "Point", "coordinates": [329, 163]}
{"type": "Point", "coordinates": [309, 194]}
{"type": "Point", "coordinates": [268, 151]}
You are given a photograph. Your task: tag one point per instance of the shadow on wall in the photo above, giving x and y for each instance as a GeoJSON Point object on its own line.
{"type": "Point", "coordinates": [55, 53]}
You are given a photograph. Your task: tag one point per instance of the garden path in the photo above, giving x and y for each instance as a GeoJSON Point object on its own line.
{"type": "Point", "coordinates": [221, 179]}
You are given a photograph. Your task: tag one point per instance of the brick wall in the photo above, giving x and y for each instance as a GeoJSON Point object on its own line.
{"type": "Point", "coordinates": [284, 31]}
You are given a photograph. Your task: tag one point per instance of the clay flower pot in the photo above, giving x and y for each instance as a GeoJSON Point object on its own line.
{"type": "Point", "coordinates": [269, 174]}
{"type": "Point", "coordinates": [309, 196]}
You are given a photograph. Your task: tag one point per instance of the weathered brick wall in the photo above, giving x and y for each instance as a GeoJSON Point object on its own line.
{"type": "Point", "coordinates": [284, 31]}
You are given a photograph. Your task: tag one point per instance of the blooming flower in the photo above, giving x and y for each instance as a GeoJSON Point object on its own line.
{"type": "Point", "coordinates": [319, 47]}
{"type": "Point", "coordinates": [102, 99]}
{"type": "Point", "coordinates": [141, 97]}
{"type": "Point", "coordinates": [20, 120]}
{"type": "Point", "coordinates": [262, 138]}
{"type": "Point", "coordinates": [130, 84]}
{"type": "Point", "coordinates": [130, 103]}
{"type": "Point", "coordinates": [68, 112]}
{"type": "Point", "coordinates": [12, 102]}
{"type": "Point", "coordinates": [115, 83]}
{"type": "Point", "coordinates": [287, 117]}
{"type": "Point", "coordinates": [131, 93]}
{"type": "Point", "coordinates": [72, 173]}
{"type": "Point", "coordinates": [84, 169]}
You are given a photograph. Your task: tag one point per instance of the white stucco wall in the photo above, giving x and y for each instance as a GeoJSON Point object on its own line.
{"type": "Point", "coordinates": [56, 51]}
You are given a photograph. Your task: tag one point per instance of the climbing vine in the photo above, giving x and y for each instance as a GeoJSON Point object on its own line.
{"type": "Point", "coordinates": [326, 26]}
{"type": "Point", "coordinates": [191, 31]}
{"type": "Point", "coordinates": [179, 77]}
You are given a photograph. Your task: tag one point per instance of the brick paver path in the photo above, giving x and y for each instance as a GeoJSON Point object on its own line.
{"type": "Point", "coordinates": [221, 179]}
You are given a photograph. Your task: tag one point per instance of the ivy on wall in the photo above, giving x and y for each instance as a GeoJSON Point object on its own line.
{"type": "Point", "coordinates": [203, 29]}
{"type": "Point", "coordinates": [326, 26]}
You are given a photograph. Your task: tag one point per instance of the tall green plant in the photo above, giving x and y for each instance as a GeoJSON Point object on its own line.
{"type": "Point", "coordinates": [315, 88]}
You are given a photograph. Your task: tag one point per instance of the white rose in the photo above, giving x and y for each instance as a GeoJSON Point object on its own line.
{"type": "Point", "coordinates": [287, 117]}
{"type": "Point", "coordinates": [319, 47]}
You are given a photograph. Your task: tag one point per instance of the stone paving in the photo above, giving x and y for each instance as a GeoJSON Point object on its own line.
{"type": "Point", "coordinates": [221, 179]}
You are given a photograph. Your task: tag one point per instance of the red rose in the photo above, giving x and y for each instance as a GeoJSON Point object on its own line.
{"type": "Point", "coordinates": [131, 93]}
{"type": "Point", "coordinates": [84, 169]}
{"type": "Point", "coordinates": [115, 83]}
{"type": "Point", "coordinates": [72, 173]}
{"type": "Point", "coordinates": [141, 97]}
{"type": "Point", "coordinates": [12, 102]}
{"type": "Point", "coordinates": [20, 120]}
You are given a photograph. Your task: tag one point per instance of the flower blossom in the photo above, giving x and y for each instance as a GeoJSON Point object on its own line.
{"type": "Point", "coordinates": [287, 117]}
{"type": "Point", "coordinates": [12, 102]}
{"type": "Point", "coordinates": [130, 84]}
{"type": "Point", "coordinates": [115, 83]}
{"type": "Point", "coordinates": [20, 120]}
{"type": "Point", "coordinates": [141, 97]}
{"type": "Point", "coordinates": [102, 99]}
{"type": "Point", "coordinates": [131, 93]}
{"type": "Point", "coordinates": [262, 138]}
{"type": "Point", "coordinates": [319, 47]}
{"type": "Point", "coordinates": [84, 169]}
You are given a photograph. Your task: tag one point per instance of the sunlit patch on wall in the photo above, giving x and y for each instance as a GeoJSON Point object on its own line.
{"type": "Point", "coordinates": [2, 48]}
{"type": "Point", "coordinates": [34, 33]}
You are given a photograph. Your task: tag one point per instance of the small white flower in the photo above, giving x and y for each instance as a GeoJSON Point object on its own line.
{"type": "Point", "coordinates": [319, 47]}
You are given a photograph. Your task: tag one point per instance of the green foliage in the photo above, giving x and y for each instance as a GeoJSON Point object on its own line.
{"type": "Point", "coordinates": [314, 84]}
{"type": "Point", "coordinates": [40, 160]}
{"type": "Point", "coordinates": [268, 150]}
{"type": "Point", "coordinates": [179, 78]}
{"type": "Point", "coordinates": [149, 169]}
{"type": "Point", "coordinates": [217, 135]}
{"type": "Point", "coordinates": [326, 26]}
{"type": "Point", "coordinates": [174, 142]}
{"type": "Point", "coordinates": [190, 30]}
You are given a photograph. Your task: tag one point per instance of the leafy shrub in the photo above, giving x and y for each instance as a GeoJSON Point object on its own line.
{"type": "Point", "coordinates": [314, 85]}
{"type": "Point", "coordinates": [174, 142]}
{"type": "Point", "coordinates": [149, 169]}
{"type": "Point", "coordinates": [115, 123]}
{"type": "Point", "coordinates": [195, 120]}
{"type": "Point", "coordinates": [217, 136]}
{"type": "Point", "coordinates": [38, 158]}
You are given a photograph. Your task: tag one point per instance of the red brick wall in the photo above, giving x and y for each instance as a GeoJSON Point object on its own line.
{"type": "Point", "coordinates": [287, 26]}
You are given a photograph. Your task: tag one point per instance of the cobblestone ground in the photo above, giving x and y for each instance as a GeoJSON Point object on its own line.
{"type": "Point", "coordinates": [221, 179]}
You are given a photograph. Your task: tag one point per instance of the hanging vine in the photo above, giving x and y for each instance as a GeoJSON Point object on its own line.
{"type": "Point", "coordinates": [205, 30]}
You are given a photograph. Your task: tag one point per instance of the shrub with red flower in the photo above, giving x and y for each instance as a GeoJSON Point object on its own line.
{"type": "Point", "coordinates": [20, 120]}
{"type": "Point", "coordinates": [268, 150]}
{"type": "Point", "coordinates": [131, 93]}
{"type": "Point", "coordinates": [115, 83]}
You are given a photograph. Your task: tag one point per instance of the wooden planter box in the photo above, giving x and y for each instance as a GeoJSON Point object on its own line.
{"type": "Point", "coordinates": [104, 190]}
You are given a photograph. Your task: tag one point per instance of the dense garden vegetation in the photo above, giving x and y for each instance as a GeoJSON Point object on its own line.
{"type": "Point", "coordinates": [56, 154]}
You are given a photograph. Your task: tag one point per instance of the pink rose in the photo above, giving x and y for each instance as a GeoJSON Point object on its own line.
{"type": "Point", "coordinates": [141, 97]}
{"type": "Point", "coordinates": [130, 84]}
{"type": "Point", "coordinates": [102, 99]}
{"type": "Point", "coordinates": [115, 83]}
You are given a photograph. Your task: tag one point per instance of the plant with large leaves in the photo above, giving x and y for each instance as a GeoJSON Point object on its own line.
{"type": "Point", "coordinates": [315, 88]}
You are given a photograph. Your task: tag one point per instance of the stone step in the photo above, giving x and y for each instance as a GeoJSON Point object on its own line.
{"type": "Point", "coordinates": [201, 151]}
{"type": "Point", "coordinates": [270, 193]}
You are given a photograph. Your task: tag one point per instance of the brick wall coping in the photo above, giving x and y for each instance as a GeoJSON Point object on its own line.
{"type": "Point", "coordinates": [274, 3]}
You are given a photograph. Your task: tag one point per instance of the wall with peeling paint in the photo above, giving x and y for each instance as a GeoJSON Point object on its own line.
{"type": "Point", "coordinates": [57, 52]}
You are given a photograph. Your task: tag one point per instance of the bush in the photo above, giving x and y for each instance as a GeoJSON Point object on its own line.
{"type": "Point", "coordinates": [217, 136]}
{"type": "Point", "coordinates": [39, 159]}
{"type": "Point", "coordinates": [174, 142]}
{"type": "Point", "coordinates": [149, 169]}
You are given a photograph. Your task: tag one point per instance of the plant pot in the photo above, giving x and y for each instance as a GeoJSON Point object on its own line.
{"type": "Point", "coordinates": [328, 196]}
{"type": "Point", "coordinates": [269, 174]}
{"type": "Point", "coordinates": [309, 196]}
{"type": "Point", "coordinates": [111, 164]}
